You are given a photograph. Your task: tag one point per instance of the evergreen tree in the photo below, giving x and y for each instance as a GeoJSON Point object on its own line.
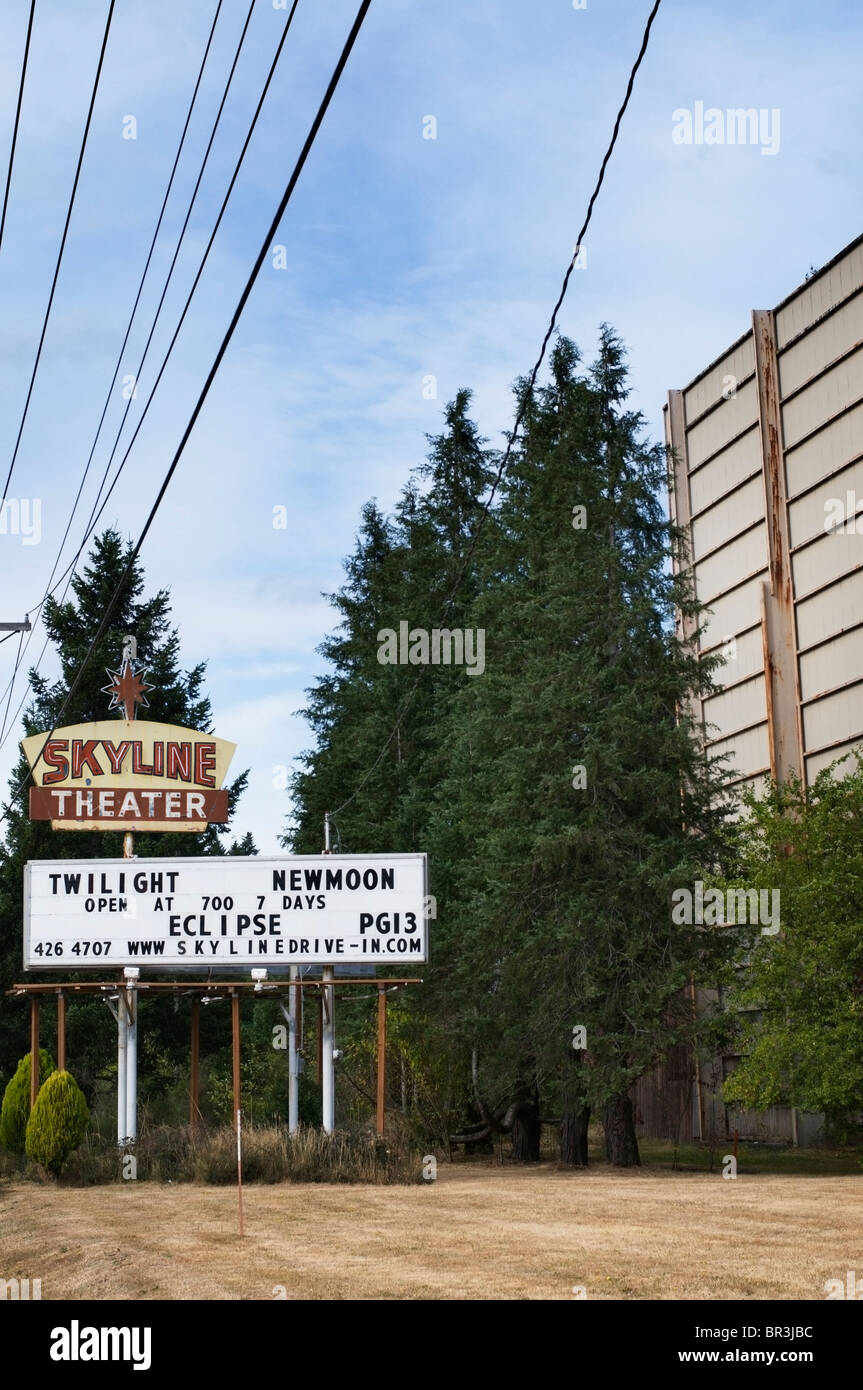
{"type": "Point", "coordinates": [577, 795]}
{"type": "Point", "coordinates": [416, 568]}
{"type": "Point", "coordinates": [403, 570]}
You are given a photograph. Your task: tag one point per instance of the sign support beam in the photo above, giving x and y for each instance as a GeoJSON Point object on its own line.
{"type": "Point", "coordinates": [293, 1057]}
{"type": "Point", "coordinates": [328, 1038]}
{"type": "Point", "coordinates": [235, 1052]}
{"type": "Point", "coordinates": [194, 1066]}
{"type": "Point", "coordinates": [382, 1059]}
{"type": "Point", "coordinates": [61, 1030]}
{"type": "Point", "coordinates": [34, 1049]}
{"type": "Point", "coordinates": [131, 1064]}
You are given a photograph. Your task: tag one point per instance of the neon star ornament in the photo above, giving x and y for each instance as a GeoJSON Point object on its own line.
{"type": "Point", "coordinates": [128, 687]}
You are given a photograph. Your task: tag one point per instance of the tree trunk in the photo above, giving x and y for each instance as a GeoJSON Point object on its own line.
{"type": "Point", "coordinates": [621, 1145]}
{"type": "Point", "coordinates": [575, 1112]}
{"type": "Point", "coordinates": [573, 1136]}
{"type": "Point", "coordinates": [526, 1134]}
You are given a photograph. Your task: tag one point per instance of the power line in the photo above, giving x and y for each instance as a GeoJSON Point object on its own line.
{"type": "Point", "coordinates": [41, 603]}
{"type": "Point", "coordinates": [523, 403]}
{"type": "Point", "coordinates": [62, 248]}
{"type": "Point", "coordinates": [94, 513]}
{"type": "Point", "coordinates": [17, 119]}
{"type": "Point", "coordinates": [211, 375]}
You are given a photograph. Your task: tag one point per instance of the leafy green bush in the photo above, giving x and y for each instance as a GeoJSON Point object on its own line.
{"type": "Point", "coordinates": [57, 1121]}
{"type": "Point", "coordinates": [15, 1110]}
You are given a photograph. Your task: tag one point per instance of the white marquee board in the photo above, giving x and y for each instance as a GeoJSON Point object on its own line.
{"type": "Point", "coordinates": [225, 913]}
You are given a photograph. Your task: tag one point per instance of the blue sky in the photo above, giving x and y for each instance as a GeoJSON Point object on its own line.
{"type": "Point", "coordinates": [406, 258]}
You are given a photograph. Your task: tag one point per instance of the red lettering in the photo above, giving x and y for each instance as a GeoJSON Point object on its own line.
{"type": "Point", "coordinates": [116, 753]}
{"type": "Point", "coordinates": [84, 755]}
{"type": "Point", "coordinates": [178, 762]}
{"type": "Point", "coordinates": [53, 757]}
{"type": "Point", "coordinates": [205, 759]}
{"type": "Point", "coordinates": [139, 767]}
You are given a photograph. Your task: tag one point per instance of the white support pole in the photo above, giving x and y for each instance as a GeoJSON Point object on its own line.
{"type": "Point", "coordinates": [328, 1031]}
{"type": "Point", "coordinates": [132, 1065]}
{"type": "Point", "coordinates": [293, 1059]}
{"type": "Point", "coordinates": [327, 1050]}
{"type": "Point", "coordinates": [122, 1031]}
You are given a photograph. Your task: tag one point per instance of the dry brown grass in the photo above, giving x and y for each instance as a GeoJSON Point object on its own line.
{"type": "Point", "coordinates": [478, 1233]}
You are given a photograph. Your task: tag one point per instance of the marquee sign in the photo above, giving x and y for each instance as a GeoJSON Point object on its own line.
{"type": "Point", "coordinates": [229, 912]}
{"type": "Point", "coordinates": [123, 774]}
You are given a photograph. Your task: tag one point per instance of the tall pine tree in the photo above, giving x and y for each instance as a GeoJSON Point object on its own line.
{"type": "Point", "coordinates": [578, 794]}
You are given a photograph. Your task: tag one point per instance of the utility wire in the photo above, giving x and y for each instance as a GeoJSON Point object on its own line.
{"type": "Point", "coordinates": [522, 407]}
{"type": "Point", "coordinates": [41, 603]}
{"type": "Point", "coordinates": [93, 519]}
{"type": "Point", "coordinates": [211, 375]}
{"type": "Point", "coordinates": [17, 119]}
{"type": "Point", "coordinates": [94, 513]}
{"type": "Point", "coordinates": [5, 492]}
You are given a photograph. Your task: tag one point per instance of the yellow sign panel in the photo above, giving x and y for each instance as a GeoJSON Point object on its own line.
{"type": "Point", "coordinates": [119, 774]}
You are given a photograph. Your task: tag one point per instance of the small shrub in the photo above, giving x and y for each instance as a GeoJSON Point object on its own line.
{"type": "Point", "coordinates": [15, 1110]}
{"type": "Point", "coordinates": [57, 1122]}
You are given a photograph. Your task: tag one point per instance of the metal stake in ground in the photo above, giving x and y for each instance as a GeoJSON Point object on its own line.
{"type": "Point", "coordinates": [239, 1166]}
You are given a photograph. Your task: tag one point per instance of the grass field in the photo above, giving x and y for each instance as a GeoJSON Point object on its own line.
{"type": "Point", "coordinates": [478, 1232]}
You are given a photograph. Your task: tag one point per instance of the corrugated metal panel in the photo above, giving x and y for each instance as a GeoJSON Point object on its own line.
{"type": "Point", "coordinates": [736, 708]}
{"type": "Point", "coordinates": [831, 611]}
{"type": "Point", "coordinates": [734, 612]}
{"type": "Point", "coordinates": [740, 558]}
{"type": "Point", "coordinates": [721, 425]}
{"type": "Point", "coordinates": [739, 363]}
{"type": "Point", "coordinates": [809, 515]}
{"type": "Point", "coordinates": [831, 665]}
{"type": "Point", "coordinates": [828, 396]}
{"type": "Point", "coordinates": [729, 517]}
{"type": "Point", "coordinates": [743, 660]}
{"type": "Point", "coordinates": [817, 298]}
{"type": "Point", "coordinates": [818, 761]}
{"type": "Point", "coordinates": [840, 716]}
{"type": "Point", "coordinates": [749, 752]}
{"type": "Point", "coordinates": [728, 470]}
{"type": "Point", "coordinates": [825, 560]}
{"type": "Point", "coordinates": [828, 451]}
{"type": "Point", "coordinates": [831, 339]}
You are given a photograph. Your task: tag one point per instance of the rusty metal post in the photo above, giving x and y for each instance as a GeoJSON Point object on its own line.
{"type": "Point", "coordinates": [194, 1064]}
{"type": "Point", "coordinates": [34, 1048]}
{"type": "Point", "coordinates": [781, 672]}
{"type": "Point", "coordinates": [61, 1030]}
{"type": "Point", "coordinates": [320, 1051]}
{"type": "Point", "coordinates": [680, 502]}
{"type": "Point", "coordinates": [235, 1040]}
{"type": "Point", "coordinates": [382, 1058]}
